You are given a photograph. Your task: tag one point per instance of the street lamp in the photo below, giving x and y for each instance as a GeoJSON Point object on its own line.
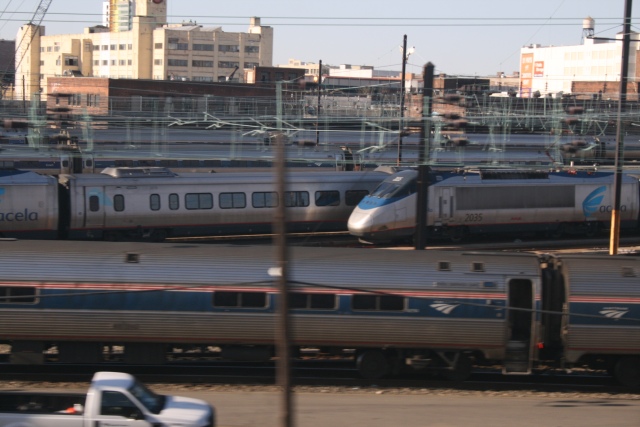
{"type": "Point", "coordinates": [405, 57]}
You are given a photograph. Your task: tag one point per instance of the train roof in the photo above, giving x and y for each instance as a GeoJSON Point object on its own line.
{"type": "Point", "coordinates": [11, 176]}
{"type": "Point", "coordinates": [179, 264]}
{"type": "Point", "coordinates": [159, 175]}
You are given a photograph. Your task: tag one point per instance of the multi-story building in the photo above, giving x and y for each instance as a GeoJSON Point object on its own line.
{"type": "Point", "coordinates": [593, 66]}
{"type": "Point", "coordinates": [151, 49]}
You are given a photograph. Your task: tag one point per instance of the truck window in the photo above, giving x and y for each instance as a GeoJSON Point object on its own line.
{"type": "Point", "coordinates": [117, 404]}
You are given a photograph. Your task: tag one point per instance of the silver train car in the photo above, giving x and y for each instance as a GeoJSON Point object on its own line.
{"type": "Point", "coordinates": [494, 201]}
{"type": "Point", "coordinates": [437, 312]}
{"type": "Point", "coordinates": [155, 203]}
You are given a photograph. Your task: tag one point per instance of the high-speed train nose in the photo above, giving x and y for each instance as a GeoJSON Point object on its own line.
{"type": "Point", "coordinates": [359, 223]}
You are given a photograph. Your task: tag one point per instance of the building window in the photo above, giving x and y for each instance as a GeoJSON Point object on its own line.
{"type": "Point", "coordinates": [157, 62]}
{"type": "Point", "coordinates": [129, 61]}
{"type": "Point", "coordinates": [232, 200]}
{"type": "Point", "coordinates": [177, 46]}
{"type": "Point", "coordinates": [202, 64]}
{"type": "Point", "coordinates": [279, 76]}
{"type": "Point", "coordinates": [88, 47]}
{"type": "Point", "coordinates": [105, 47]}
{"type": "Point", "coordinates": [203, 47]}
{"type": "Point", "coordinates": [96, 47]}
{"type": "Point", "coordinates": [49, 49]}
{"type": "Point", "coordinates": [113, 47]}
{"type": "Point", "coordinates": [158, 45]}
{"type": "Point", "coordinates": [228, 48]}
{"type": "Point", "coordinates": [56, 48]}
{"type": "Point", "coordinates": [228, 64]}
{"type": "Point", "coordinates": [177, 62]}
{"type": "Point", "coordinates": [198, 201]}
{"type": "Point", "coordinates": [105, 62]}
{"type": "Point", "coordinates": [71, 61]}
{"type": "Point", "coordinates": [252, 49]}
{"type": "Point", "coordinates": [96, 62]}
{"type": "Point", "coordinates": [202, 78]}
{"type": "Point", "coordinates": [113, 62]}
{"type": "Point", "coordinates": [264, 200]}
{"type": "Point", "coordinates": [129, 46]}
{"type": "Point", "coordinates": [250, 65]}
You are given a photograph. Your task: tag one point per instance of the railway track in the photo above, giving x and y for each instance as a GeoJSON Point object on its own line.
{"type": "Point", "coordinates": [336, 375]}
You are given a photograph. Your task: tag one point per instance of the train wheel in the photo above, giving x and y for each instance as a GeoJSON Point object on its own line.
{"type": "Point", "coordinates": [372, 364]}
{"type": "Point", "coordinates": [457, 234]}
{"type": "Point", "coordinates": [461, 370]}
{"type": "Point", "coordinates": [627, 371]}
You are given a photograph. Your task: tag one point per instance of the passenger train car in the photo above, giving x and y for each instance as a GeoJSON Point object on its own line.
{"type": "Point", "coordinates": [494, 201]}
{"type": "Point", "coordinates": [155, 203]}
{"type": "Point", "coordinates": [437, 312]}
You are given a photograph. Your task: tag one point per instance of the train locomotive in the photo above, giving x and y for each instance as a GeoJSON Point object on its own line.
{"type": "Point", "coordinates": [496, 201]}
{"type": "Point", "coordinates": [439, 312]}
{"type": "Point", "coordinates": [155, 203]}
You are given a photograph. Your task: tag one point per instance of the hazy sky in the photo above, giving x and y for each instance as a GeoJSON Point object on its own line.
{"type": "Point", "coordinates": [463, 37]}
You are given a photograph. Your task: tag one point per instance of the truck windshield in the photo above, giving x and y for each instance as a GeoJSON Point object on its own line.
{"type": "Point", "coordinates": [153, 402]}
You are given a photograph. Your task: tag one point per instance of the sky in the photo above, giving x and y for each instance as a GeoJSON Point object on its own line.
{"type": "Point", "coordinates": [460, 37]}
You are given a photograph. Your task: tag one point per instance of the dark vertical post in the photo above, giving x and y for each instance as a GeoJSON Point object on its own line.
{"type": "Point", "coordinates": [401, 123]}
{"type": "Point", "coordinates": [619, 158]}
{"type": "Point", "coordinates": [283, 346]}
{"type": "Point", "coordinates": [423, 160]}
{"type": "Point", "coordinates": [318, 109]}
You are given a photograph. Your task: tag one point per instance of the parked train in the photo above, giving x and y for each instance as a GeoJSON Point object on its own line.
{"type": "Point", "coordinates": [155, 203]}
{"type": "Point", "coordinates": [432, 311]}
{"type": "Point", "coordinates": [494, 201]}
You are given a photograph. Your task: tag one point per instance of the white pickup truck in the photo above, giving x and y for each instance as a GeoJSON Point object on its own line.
{"type": "Point", "coordinates": [114, 399]}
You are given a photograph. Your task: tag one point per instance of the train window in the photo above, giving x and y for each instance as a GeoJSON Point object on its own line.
{"type": "Point", "coordinates": [174, 202]}
{"type": "Point", "coordinates": [17, 295]}
{"type": "Point", "coordinates": [232, 200]}
{"type": "Point", "coordinates": [327, 198]}
{"type": "Point", "coordinates": [94, 203]}
{"type": "Point", "coordinates": [240, 299]}
{"type": "Point", "coordinates": [154, 202]}
{"type": "Point", "coordinates": [353, 197]}
{"type": "Point", "coordinates": [118, 202]}
{"type": "Point", "coordinates": [264, 200]}
{"type": "Point", "coordinates": [477, 267]}
{"type": "Point", "coordinates": [313, 301]}
{"type": "Point", "coordinates": [444, 266]}
{"type": "Point", "coordinates": [377, 302]}
{"type": "Point", "coordinates": [296, 199]}
{"type": "Point", "coordinates": [198, 201]}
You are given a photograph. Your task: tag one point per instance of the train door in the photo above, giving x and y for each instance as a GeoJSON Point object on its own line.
{"type": "Point", "coordinates": [520, 322]}
{"type": "Point", "coordinates": [444, 207]}
{"type": "Point", "coordinates": [94, 207]}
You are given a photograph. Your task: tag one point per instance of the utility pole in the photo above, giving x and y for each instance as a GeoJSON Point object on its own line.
{"type": "Point", "coordinates": [283, 343]}
{"type": "Point", "coordinates": [422, 189]}
{"type": "Point", "coordinates": [318, 109]}
{"type": "Point", "coordinates": [401, 124]}
{"type": "Point", "coordinates": [619, 158]}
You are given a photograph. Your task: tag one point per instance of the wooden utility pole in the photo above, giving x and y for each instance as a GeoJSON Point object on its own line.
{"type": "Point", "coordinates": [619, 158]}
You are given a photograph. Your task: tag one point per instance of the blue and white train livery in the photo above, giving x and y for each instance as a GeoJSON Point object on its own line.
{"type": "Point", "coordinates": [495, 201]}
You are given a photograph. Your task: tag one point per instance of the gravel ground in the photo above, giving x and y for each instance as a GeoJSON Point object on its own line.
{"type": "Point", "coordinates": [233, 388]}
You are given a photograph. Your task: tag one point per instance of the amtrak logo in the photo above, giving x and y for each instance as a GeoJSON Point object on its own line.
{"type": "Point", "coordinates": [614, 313]}
{"type": "Point", "coordinates": [593, 200]}
{"type": "Point", "coordinates": [444, 308]}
